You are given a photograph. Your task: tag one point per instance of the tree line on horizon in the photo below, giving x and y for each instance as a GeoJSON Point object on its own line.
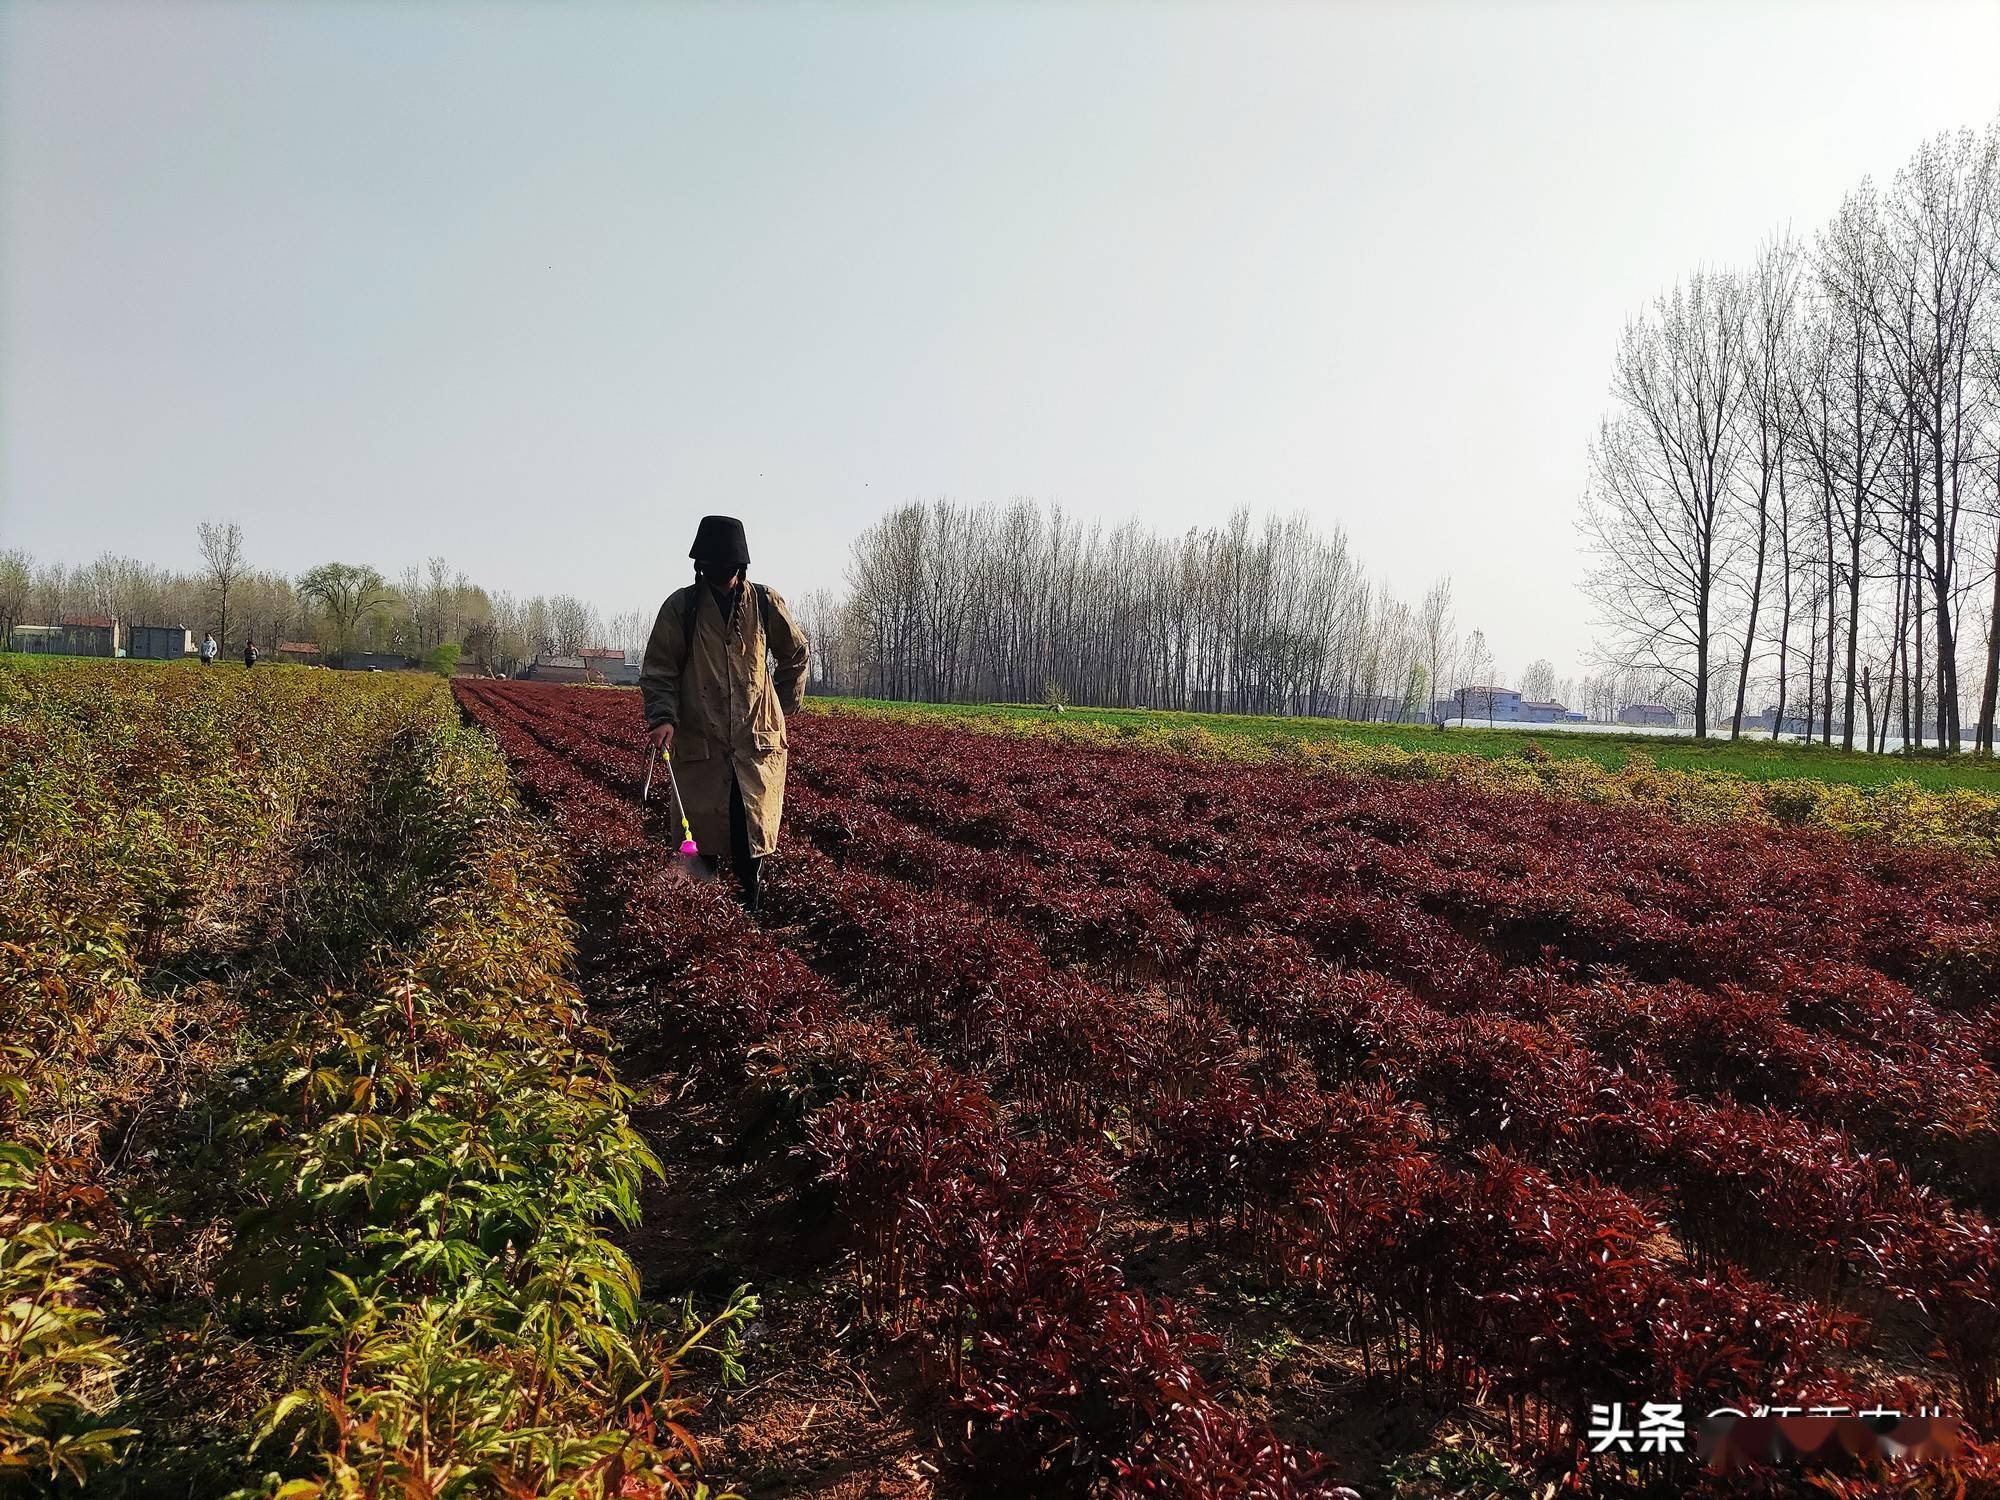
{"type": "Point", "coordinates": [342, 608]}
{"type": "Point", "coordinates": [947, 602]}
{"type": "Point", "coordinates": [1797, 487]}
{"type": "Point", "coordinates": [1016, 603]}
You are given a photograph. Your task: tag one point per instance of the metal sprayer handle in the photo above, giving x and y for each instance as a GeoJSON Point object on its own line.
{"type": "Point", "coordinates": [688, 845]}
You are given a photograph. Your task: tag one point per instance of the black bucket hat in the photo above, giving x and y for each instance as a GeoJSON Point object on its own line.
{"type": "Point", "coordinates": [720, 539]}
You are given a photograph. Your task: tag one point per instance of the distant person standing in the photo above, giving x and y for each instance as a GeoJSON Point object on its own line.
{"type": "Point", "coordinates": [713, 698]}
{"type": "Point", "coordinates": [208, 648]}
{"type": "Point", "coordinates": [249, 653]}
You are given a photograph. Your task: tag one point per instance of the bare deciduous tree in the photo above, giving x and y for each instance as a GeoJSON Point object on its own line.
{"type": "Point", "coordinates": [1538, 680]}
{"type": "Point", "coordinates": [1937, 242]}
{"type": "Point", "coordinates": [222, 561]}
{"type": "Point", "coordinates": [1772, 294]}
{"type": "Point", "coordinates": [1655, 521]}
{"type": "Point", "coordinates": [1867, 501]}
{"type": "Point", "coordinates": [951, 602]}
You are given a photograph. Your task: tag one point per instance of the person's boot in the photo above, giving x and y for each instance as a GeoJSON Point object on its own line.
{"type": "Point", "coordinates": [753, 887]}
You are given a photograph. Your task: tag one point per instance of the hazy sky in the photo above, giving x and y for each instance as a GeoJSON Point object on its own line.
{"type": "Point", "coordinates": [535, 285]}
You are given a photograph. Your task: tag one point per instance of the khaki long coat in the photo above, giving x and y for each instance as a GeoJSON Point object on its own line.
{"type": "Point", "coordinates": [727, 707]}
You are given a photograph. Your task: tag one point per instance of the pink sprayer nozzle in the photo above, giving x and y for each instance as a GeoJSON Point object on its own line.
{"type": "Point", "coordinates": [687, 847]}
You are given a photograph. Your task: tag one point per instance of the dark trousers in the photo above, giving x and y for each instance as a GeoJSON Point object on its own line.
{"type": "Point", "coordinates": [747, 867]}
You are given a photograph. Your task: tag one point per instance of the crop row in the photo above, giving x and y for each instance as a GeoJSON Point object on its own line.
{"type": "Point", "coordinates": [435, 1176]}
{"type": "Point", "coordinates": [146, 815]}
{"type": "Point", "coordinates": [1860, 1053]}
{"type": "Point", "coordinates": [298, 1095]}
{"type": "Point", "coordinates": [1452, 1284]}
{"type": "Point", "coordinates": [1741, 1183]}
{"type": "Point", "coordinates": [1705, 904]}
{"type": "Point", "coordinates": [1840, 929]}
{"type": "Point", "coordinates": [979, 1245]}
{"type": "Point", "coordinates": [1533, 1074]}
{"type": "Point", "coordinates": [1744, 1183]}
{"type": "Point", "coordinates": [1834, 1040]}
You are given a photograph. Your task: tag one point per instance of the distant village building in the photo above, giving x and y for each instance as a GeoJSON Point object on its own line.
{"type": "Point", "coordinates": [36, 640]}
{"type": "Point", "coordinates": [1795, 724]}
{"type": "Point", "coordinates": [298, 651]}
{"type": "Point", "coordinates": [1648, 715]}
{"type": "Point", "coordinates": [609, 664]}
{"type": "Point", "coordinates": [555, 669]}
{"type": "Point", "coordinates": [1498, 705]}
{"type": "Point", "coordinates": [158, 642]}
{"type": "Point", "coordinates": [593, 664]}
{"type": "Point", "coordinates": [373, 661]}
{"type": "Point", "coordinates": [76, 635]}
{"type": "Point", "coordinates": [102, 635]}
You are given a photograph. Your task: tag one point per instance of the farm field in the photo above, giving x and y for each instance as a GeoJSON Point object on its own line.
{"type": "Point", "coordinates": [309, 1160]}
{"type": "Point", "coordinates": [1181, 1127]}
{"type": "Point", "coordinates": [1084, 1118]}
{"type": "Point", "coordinates": [1757, 759]}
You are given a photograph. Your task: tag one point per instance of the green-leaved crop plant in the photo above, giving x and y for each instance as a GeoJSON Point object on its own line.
{"type": "Point", "coordinates": [301, 1125]}
{"type": "Point", "coordinates": [440, 1169]}
{"type": "Point", "coordinates": [141, 809]}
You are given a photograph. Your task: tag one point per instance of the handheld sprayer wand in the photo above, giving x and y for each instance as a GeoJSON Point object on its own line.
{"type": "Point", "coordinates": [687, 834]}
{"type": "Point", "coordinates": [688, 845]}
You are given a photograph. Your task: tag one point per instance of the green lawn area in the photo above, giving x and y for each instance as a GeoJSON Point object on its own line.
{"type": "Point", "coordinates": [1759, 760]}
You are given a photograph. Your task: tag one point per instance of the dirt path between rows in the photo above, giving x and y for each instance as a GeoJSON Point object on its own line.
{"type": "Point", "coordinates": [825, 1411]}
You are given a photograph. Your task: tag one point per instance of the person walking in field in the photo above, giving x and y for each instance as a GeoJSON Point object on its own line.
{"type": "Point", "coordinates": [724, 666]}
{"type": "Point", "coordinates": [249, 653]}
{"type": "Point", "coordinates": [208, 648]}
